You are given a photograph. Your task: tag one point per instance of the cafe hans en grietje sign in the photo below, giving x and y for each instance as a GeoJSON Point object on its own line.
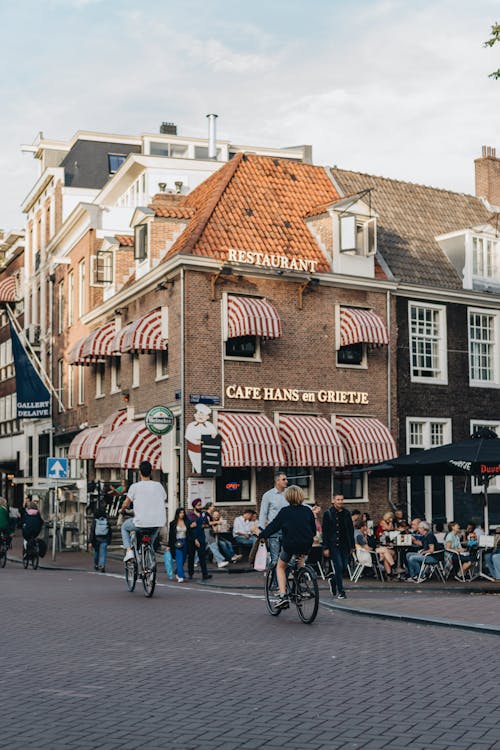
{"type": "Point", "coordinates": [256, 393]}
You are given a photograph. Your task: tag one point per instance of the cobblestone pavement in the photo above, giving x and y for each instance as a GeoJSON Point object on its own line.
{"type": "Point", "coordinates": [87, 665]}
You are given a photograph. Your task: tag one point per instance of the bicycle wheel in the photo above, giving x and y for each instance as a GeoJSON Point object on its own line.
{"type": "Point", "coordinates": [306, 594]}
{"type": "Point", "coordinates": [35, 558]}
{"type": "Point", "coordinates": [131, 574]}
{"type": "Point", "coordinates": [3, 556]}
{"type": "Point", "coordinates": [26, 559]}
{"type": "Point", "coordinates": [148, 571]}
{"type": "Point", "coordinates": [271, 592]}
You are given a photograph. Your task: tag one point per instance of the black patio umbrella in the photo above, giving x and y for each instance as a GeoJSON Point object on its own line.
{"type": "Point", "coordinates": [478, 456]}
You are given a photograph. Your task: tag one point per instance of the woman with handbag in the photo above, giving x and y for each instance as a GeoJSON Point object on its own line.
{"type": "Point", "coordinates": [178, 534]}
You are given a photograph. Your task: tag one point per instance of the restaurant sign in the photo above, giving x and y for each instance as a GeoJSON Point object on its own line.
{"type": "Point", "coordinates": [159, 420]}
{"type": "Point", "coordinates": [270, 260]}
{"type": "Point", "coordinates": [256, 393]}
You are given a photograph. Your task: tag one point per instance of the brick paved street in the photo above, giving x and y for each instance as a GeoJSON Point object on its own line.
{"type": "Point", "coordinates": [200, 667]}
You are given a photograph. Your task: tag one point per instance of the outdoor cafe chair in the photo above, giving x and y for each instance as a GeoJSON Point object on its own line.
{"type": "Point", "coordinates": [433, 564]}
{"type": "Point", "coordinates": [462, 575]}
{"type": "Point", "coordinates": [366, 559]}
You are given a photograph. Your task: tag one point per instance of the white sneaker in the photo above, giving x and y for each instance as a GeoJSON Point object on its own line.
{"type": "Point", "coordinates": [222, 564]}
{"type": "Point", "coordinates": [180, 580]}
{"type": "Point", "coordinates": [129, 555]}
{"type": "Point", "coordinates": [235, 558]}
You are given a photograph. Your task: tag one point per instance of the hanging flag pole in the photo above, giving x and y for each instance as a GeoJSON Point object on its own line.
{"type": "Point", "coordinates": [22, 347]}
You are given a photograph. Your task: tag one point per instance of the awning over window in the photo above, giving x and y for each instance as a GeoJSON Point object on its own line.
{"type": "Point", "coordinates": [115, 420]}
{"type": "Point", "coordinates": [310, 441]}
{"type": "Point", "coordinates": [249, 440]}
{"type": "Point", "coordinates": [127, 446]}
{"type": "Point", "coordinates": [76, 445]}
{"type": "Point", "coordinates": [8, 291]}
{"type": "Point", "coordinates": [99, 343]}
{"type": "Point", "coordinates": [250, 316]}
{"type": "Point", "coordinates": [359, 326]}
{"type": "Point", "coordinates": [143, 335]}
{"type": "Point", "coordinates": [366, 440]}
{"type": "Point", "coordinates": [75, 356]}
{"type": "Point", "coordinates": [89, 446]}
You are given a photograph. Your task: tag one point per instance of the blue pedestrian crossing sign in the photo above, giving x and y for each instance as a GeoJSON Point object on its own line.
{"type": "Point", "coordinates": [57, 468]}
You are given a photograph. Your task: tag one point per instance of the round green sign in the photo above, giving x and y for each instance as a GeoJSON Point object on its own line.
{"type": "Point", "coordinates": [159, 420]}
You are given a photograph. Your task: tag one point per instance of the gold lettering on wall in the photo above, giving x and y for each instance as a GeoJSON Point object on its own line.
{"type": "Point", "coordinates": [254, 393]}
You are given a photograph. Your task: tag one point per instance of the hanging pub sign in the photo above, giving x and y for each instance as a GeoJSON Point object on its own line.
{"type": "Point", "coordinates": [159, 420]}
{"type": "Point", "coordinates": [33, 397]}
{"type": "Point", "coordinates": [211, 455]}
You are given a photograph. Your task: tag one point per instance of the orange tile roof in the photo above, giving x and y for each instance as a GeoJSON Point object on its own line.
{"type": "Point", "coordinates": [125, 240]}
{"type": "Point", "coordinates": [256, 203]}
{"type": "Point", "coordinates": [174, 212]}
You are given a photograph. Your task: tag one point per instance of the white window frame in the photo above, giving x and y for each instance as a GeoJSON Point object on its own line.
{"type": "Point", "coordinates": [426, 423]}
{"type": "Point", "coordinates": [70, 397]}
{"type": "Point", "coordinates": [81, 287]}
{"type": "Point", "coordinates": [100, 380]}
{"type": "Point", "coordinates": [71, 298]}
{"type": "Point", "coordinates": [115, 368]}
{"type": "Point", "coordinates": [60, 307]}
{"type": "Point", "coordinates": [60, 382]}
{"type": "Point", "coordinates": [495, 381]}
{"type": "Point", "coordinates": [494, 485]}
{"type": "Point", "coordinates": [484, 255]}
{"type": "Point", "coordinates": [136, 370]}
{"type": "Point", "coordinates": [159, 374]}
{"type": "Point", "coordinates": [252, 491]}
{"type": "Point", "coordinates": [81, 385]}
{"type": "Point", "coordinates": [224, 329]}
{"type": "Point", "coordinates": [442, 344]}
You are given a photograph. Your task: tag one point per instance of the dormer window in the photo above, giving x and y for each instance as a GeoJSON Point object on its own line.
{"type": "Point", "coordinates": [358, 235]}
{"type": "Point", "coordinates": [484, 257]}
{"type": "Point", "coordinates": [115, 161]}
{"type": "Point", "coordinates": [140, 242]}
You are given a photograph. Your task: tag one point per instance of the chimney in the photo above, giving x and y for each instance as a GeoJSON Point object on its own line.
{"type": "Point", "coordinates": [168, 128]}
{"type": "Point", "coordinates": [212, 138]}
{"type": "Point", "coordinates": [488, 175]}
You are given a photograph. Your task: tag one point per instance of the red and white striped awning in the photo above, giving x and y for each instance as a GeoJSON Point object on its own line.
{"type": "Point", "coordinates": [310, 441]}
{"type": "Point", "coordinates": [366, 440]}
{"type": "Point", "coordinates": [361, 326]}
{"type": "Point", "coordinates": [8, 292]}
{"type": "Point", "coordinates": [143, 335]}
{"type": "Point", "coordinates": [249, 440]}
{"type": "Point", "coordinates": [91, 443]}
{"type": "Point", "coordinates": [99, 343]}
{"type": "Point", "coordinates": [76, 445]}
{"type": "Point", "coordinates": [127, 446]}
{"type": "Point", "coordinates": [115, 420]}
{"type": "Point", "coordinates": [75, 356]}
{"type": "Point", "coordinates": [251, 316]}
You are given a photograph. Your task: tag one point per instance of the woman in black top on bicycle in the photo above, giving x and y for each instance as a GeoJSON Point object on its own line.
{"type": "Point", "coordinates": [299, 529]}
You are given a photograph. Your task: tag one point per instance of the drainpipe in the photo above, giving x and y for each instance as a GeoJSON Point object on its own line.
{"type": "Point", "coordinates": [389, 379]}
{"type": "Point", "coordinates": [182, 417]}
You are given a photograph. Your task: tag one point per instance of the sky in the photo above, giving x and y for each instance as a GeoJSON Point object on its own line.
{"type": "Point", "coordinates": [398, 88]}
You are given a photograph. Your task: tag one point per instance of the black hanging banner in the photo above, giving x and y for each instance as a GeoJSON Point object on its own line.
{"type": "Point", "coordinates": [33, 397]}
{"type": "Point", "coordinates": [211, 449]}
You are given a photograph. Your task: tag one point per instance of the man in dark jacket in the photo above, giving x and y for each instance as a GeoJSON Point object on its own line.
{"type": "Point", "coordinates": [338, 538]}
{"type": "Point", "coordinates": [100, 538]}
{"type": "Point", "coordinates": [32, 521]}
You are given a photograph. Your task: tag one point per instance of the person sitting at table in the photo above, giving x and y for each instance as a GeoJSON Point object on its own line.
{"type": "Point", "coordinates": [430, 544]}
{"type": "Point", "coordinates": [399, 521]}
{"type": "Point", "coordinates": [453, 542]}
{"type": "Point", "coordinates": [385, 555]}
{"type": "Point", "coordinates": [385, 525]}
{"type": "Point", "coordinates": [242, 529]}
{"type": "Point", "coordinates": [492, 558]}
{"type": "Point", "coordinates": [439, 532]}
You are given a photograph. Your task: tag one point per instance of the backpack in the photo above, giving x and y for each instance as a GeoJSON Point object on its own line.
{"type": "Point", "coordinates": [101, 526]}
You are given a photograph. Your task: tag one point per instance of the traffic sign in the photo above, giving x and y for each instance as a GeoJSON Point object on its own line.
{"type": "Point", "coordinates": [159, 420]}
{"type": "Point", "coordinates": [57, 468]}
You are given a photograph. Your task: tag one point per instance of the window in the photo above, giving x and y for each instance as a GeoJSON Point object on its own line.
{"type": "Point", "coordinates": [302, 476]}
{"type": "Point", "coordinates": [81, 384]}
{"type": "Point", "coordinates": [482, 348]}
{"type": "Point", "coordinates": [243, 346]}
{"type": "Point", "coordinates": [60, 381]}
{"type": "Point", "coordinates": [352, 355]}
{"type": "Point", "coordinates": [60, 307]}
{"type": "Point", "coordinates": [233, 486]}
{"type": "Point", "coordinates": [81, 288]}
{"type": "Point", "coordinates": [116, 374]}
{"type": "Point", "coordinates": [429, 497]}
{"type": "Point", "coordinates": [136, 370]}
{"type": "Point", "coordinates": [427, 343]}
{"type": "Point", "coordinates": [140, 242]}
{"type": "Point", "coordinates": [115, 161]}
{"type": "Point", "coordinates": [102, 267]}
{"type": "Point", "coordinates": [161, 364]}
{"type": "Point", "coordinates": [100, 373]}
{"type": "Point", "coordinates": [351, 483]}
{"type": "Point", "coordinates": [71, 297]}
{"type": "Point", "coordinates": [484, 257]}
{"type": "Point", "coordinates": [70, 387]}
{"type": "Point", "coordinates": [358, 235]}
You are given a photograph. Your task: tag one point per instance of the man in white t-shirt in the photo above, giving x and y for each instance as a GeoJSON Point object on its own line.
{"type": "Point", "coordinates": [149, 507]}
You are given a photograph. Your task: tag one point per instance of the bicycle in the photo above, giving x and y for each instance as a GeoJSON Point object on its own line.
{"type": "Point", "coordinates": [5, 546]}
{"type": "Point", "coordinates": [143, 564]}
{"type": "Point", "coordinates": [301, 588]}
{"type": "Point", "coordinates": [31, 554]}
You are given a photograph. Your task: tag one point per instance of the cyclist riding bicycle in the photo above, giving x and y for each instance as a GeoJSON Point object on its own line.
{"type": "Point", "coordinates": [149, 498]}
{"type": "Point", "coordinates": [299, 529]}
{"type": "Point", "coordinates": [4, 520]}
{"type": "Point", "coordinates": [32, 521]}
